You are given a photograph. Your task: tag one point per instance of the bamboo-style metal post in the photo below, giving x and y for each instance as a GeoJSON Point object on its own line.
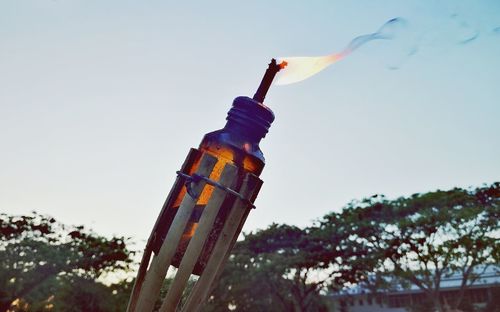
{"type": "Point", "coordinates": [151, 276]}
{"type": "Point", "coordinates": [146, 257]}
{"type": "Point", "coordinates": [221, 250]}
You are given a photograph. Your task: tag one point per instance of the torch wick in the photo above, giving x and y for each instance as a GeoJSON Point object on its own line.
{"type": "Point", "coordinates": [271, 71]}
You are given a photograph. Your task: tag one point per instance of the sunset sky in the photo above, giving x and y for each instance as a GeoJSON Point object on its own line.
{"type": "Point", "coordinates": [100, 102]}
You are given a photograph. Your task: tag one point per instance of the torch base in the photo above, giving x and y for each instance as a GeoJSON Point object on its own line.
{"type": "Point", "coordinates": [234, 192]}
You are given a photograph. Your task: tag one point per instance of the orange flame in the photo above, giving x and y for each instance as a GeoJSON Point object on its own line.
{"type": "Point", "coordinates": [302, 67]}
{"type": "Point", "coordinates": [283, 64]}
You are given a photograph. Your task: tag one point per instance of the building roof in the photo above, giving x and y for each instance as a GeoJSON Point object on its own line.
{"type": "Point", "coordinates": [488, 275]}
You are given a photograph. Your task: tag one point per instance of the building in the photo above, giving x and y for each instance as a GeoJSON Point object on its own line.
{"type": "Point", "coordinates": [399, 299]}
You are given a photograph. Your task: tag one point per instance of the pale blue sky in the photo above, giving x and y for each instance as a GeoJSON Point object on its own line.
{"type": "Point", "coordinates": [100, 102]}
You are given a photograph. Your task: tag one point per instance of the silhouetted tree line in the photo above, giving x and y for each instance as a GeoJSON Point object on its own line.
{"type": "Point", "coordinates": [48, 266]}
{"type": "Point", "coordinates": [416, 240]}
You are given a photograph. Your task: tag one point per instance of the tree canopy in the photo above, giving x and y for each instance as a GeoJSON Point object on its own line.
{"type": "Point", "coordinates": [374, 244]}
{"type": "Point", "coordinates": [423, 238]}
{"type": "Point", "coordinates": [289, 269]}
{"type": "Point", "coordinates": [271, 269]}
{"type": "Point", "coordinates": [39, 254]}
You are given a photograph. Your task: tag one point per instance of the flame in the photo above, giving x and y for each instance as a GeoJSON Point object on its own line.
{"type": "Point", "coordinates": [302, 67]}
{"type": "Point", "coordinates": [283, 64]}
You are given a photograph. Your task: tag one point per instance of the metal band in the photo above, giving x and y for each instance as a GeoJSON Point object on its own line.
{"type": "Point", "coordinates": [196, 178]}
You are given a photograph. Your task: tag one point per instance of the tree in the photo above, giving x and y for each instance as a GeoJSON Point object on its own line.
{"type": "Point", "coordinates": [268, 270]}
{"type": "Point", "coordinates": [283, 268]}
{"type": "Point", "coordinates": [37, 254]}
{"type": "Point", "coordinates": [79, 293]}
{"type": "Point", "coordinates": [425, 237]}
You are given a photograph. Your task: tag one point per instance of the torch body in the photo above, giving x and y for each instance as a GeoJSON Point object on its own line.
{"type": "Point", "coordinates": [205, 210]}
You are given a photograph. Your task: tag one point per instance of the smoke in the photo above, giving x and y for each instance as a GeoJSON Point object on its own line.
{"type": "Point", "coordinates": [432, 35]}
{"type": "Point", "coordinates": [464, 32]}
{"type": "Point", "coordinates": [388, 31]}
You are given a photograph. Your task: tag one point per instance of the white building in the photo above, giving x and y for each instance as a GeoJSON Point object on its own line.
{"type": "Point", "coordinates": [357, 300]}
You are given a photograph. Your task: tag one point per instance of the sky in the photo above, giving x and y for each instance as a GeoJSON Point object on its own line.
{"type": "Point", "coordinates": [100, 101]}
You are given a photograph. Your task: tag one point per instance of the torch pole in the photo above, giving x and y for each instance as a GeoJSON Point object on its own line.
{"type": "Point", "coordinates": [206, 209]}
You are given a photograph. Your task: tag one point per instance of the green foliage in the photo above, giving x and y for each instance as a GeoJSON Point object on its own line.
{"type": "Point", "coordinates": [272, 270]}
{"type": "Point", "coordinates": [425, 237]}
{"type": "Point", "coordinates": [416, 240]}
{"type": "Point", "coordinates": [84, 294]}
{"type": "Point", "coordinates": [375, 243]}
{"type": "Point", "coordinates": [39, 256]}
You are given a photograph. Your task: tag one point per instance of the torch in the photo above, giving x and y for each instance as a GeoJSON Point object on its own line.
{"type": "Point", "coordinates": [206, 208]}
